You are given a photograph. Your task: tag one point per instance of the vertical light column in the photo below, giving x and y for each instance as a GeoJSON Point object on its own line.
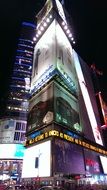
{"type": "Point", "coordinates": [87, 100]}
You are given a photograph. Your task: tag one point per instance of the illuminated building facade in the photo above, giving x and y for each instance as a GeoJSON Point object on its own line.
{"type": "Point", "coordinates": [17, 103]}
{"type": "Point", "coordinates": [13, 122]}
{"type": "Point", "coordinates": [63, 126]}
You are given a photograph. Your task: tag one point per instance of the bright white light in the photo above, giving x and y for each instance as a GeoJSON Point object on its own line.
{"type": "Point", "coordinates": [11, 151]}
{"type": "Point", "coordinates": [39, 32]}
{"type": "Point", "coordinates": [65, 27]}
{"type": "Point", "coordinates": [44, 24]}
{"type": "Point", "coordinates": [87, 101]}
{"type": "Point", "coordinates": [73, 42]}
{"type": "Point", "coordinates": [41, 28]}
{"type": "Point", "coordinates": [47, 20]}
{"type": "Point", "coordinates": [50, 16]}
{"type": "Point", "coordinates": [104, 163]}
{"type": "Point", "coordinates": [68, 31]}
{"type": "Point", "coordinates": [70, 35]}
{"type": "Point", "coordinates": [60, 10]}
{"type": "Point", "coordinates": [42, 151]}
{"type": "Point", "coordinates": [34, 39]}
{"type": "Point", "coordinates": [37, 35]}
{"type": "Point", "coordinates": [63, 23]}
{"type": "Point", "coordinates": [72, 38]}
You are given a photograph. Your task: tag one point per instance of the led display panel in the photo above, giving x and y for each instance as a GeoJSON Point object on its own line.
{"type": "Point", "coordinates": [65, 64]}
{"type": "Point", "coordinates": [54, 103]}
{"type": "Point", "coordinates": [41, 109]}
{"type": "Point", "coordinates": [87, 100]}
{"type": "Point", "coordinates": [53, 56]}
{"type": "Point", "coordinates": [7, 129]}
{"type": "Point", "coordinates": [66, 108]}
{"type": "Point", "coordinates": [13, 151]}
{"type": "Point", "coordinates": [104, 163]}
{"type": "Point", "coordinates": [44, 57]}
{"type": "Point", "coordinates": [10, 167]}
{"type": "Point", "coordinates": [37, 161]}
{"type": "Point", "coordinates": [68, 158]}
{"type": "Point", "coordinates": [91, 162]}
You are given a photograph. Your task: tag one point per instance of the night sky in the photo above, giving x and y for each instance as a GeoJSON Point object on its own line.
{"type": "Point", "coordinates": [89, 25]}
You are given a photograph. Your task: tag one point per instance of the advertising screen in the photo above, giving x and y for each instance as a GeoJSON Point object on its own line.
{"type": "Point", "coordinates": [44, 57]}
{"type": "Point", "coordinates": [41, 109]}
{"type": "Point", "coordinates": [65, 63]}
{"type": "Point", "coordinates": [87, 98]}
{"type": "Point", "coordinates": [10, 167]}
{"type": "Point", "coordinates": [68, 158]}
{"type": "Point", "coordinates": [104, 163]}
{"type": "Point", "coordinates": [7, 128]}
{"type": "Point", "coordinates": [53, 54]}
{"type": "Point", "coordinates": [37, 161]}
{"type": "Point", "coordinates": [66, 108]}
{"type": "Point", "coordinates": [13, 151]}
{"type": "Point", "coordinates": [91, 162]}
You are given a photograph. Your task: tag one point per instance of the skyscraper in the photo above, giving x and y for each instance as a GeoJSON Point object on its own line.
{"type": "Point", "coordinates": [63, 128]}
{"type": "Point", "coordinates": [13, 121]}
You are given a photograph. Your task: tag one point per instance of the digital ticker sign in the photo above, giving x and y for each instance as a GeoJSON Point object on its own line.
{"type": "Point", "coordinates": [64, 136]}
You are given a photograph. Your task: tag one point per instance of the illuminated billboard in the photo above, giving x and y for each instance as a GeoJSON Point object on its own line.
{"type": "Point", "coordinates": [37, 161]}
{"type": "Point", "coordinates": [68, 158]}
{"type": "Point", "coordinates": [66, 108]}
{"type": "Point", "coordinates": [7, 130]}
{"type": "Point", "coordinates": [53, 56]}
{"type": "Point", "coordinates": [41, 109]}
{"type": "Point", "coordinates": [91, 159]}
{"type": "Point", "coordinates": [13, 151]}
{"type": "Point", "coordinates": [87, 99]}
{"type": "Point", "coordinates": [104, 163]}
{"type": "Point", "coordinates": [54, 103]}
{"type": "Point", "coordinates": [44, 57]}
{"type": "Point", "coordinates": [10, 167]}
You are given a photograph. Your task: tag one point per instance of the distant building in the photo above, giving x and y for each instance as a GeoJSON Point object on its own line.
{"type": "Point", "coordinates": [13, 121]}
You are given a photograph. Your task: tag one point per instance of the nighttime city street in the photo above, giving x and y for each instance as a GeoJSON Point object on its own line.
{"type": "Point", "coordinates": [53, 97]}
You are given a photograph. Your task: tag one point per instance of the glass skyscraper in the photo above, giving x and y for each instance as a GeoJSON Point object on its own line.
{"type": "Point", "coordinates": [17, 102]}
{"type": "Point", "coordinates": [14, 119]}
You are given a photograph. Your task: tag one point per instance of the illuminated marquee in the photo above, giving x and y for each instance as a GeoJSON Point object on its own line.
{"type": "Point", "coordinates": [61, 135]}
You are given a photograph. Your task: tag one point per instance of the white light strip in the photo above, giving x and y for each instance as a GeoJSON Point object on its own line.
{"type": "Point", "coordinates": [87, 101]}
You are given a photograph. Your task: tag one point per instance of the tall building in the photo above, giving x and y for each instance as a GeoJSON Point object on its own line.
{"type": "Point", "coordinates": [63, 126]}
{"type": "Point", "coordinates": [13, 122]}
